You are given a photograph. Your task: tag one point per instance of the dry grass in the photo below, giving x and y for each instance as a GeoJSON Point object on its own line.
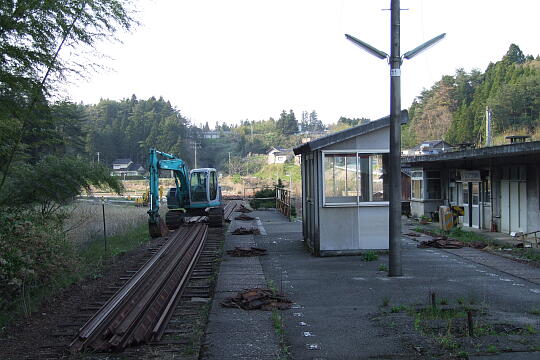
{"type": "Point", "coordinates": [85, 222]}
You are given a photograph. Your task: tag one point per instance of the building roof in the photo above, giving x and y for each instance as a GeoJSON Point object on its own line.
{"type": "Point", "coordinates": [348, 134]}
{"type": "Point", "coordinates": [277, 148]}
{"type": "Point", "coordinates": [122, 161]}
{"type": "Point", "coordinates": [480, 153]}
{"type": "Point", "coordinates": [432, 144]}
{"type": "Point", "coordinates": [134, 167]}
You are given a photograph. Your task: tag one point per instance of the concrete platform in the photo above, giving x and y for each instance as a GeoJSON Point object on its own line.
{"type": "Point", "coordinates": [234, 333]}
{"type": "Point", "coordinates": [336, 298]}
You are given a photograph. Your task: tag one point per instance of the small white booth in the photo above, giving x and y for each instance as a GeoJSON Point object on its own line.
{"type": "Point", "coordinates": [345, 190]}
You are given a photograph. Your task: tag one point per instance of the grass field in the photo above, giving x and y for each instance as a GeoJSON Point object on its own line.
{"type": "Point", "coordinates": [85, 222]}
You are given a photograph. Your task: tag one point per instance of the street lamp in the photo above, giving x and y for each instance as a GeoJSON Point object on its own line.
{"type": "Point", "coordinates": [394, 171]}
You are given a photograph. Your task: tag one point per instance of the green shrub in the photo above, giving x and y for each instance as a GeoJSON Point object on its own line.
{"type": "Point", "coordinates": [236, 179]}
{"type": "Point", "coordinates": [370, 256]}
{"type": "Point", "coordinates": [33, 253]}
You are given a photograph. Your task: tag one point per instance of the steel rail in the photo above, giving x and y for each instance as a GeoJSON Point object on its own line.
{"type": "Point", "coordinates": [135, 309]}
{"type": "Point", "coordinates": [166, 315]}
{"type": "Point", "coordinates": [110, 309]}
{"type": "Point", "coordinates": [134, 328]}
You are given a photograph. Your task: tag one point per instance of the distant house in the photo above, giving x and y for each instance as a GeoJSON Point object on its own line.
{"type": "Point", "coordinates": [428, 148]}
{"type": "Point", "coordinates": [126, 167]}
{"type": "Point", "coordinates": [212, 134]}
{"type": "Point", "coordinates": [120, 164]}
{"type": "Point", "coordinates": [279, 155]}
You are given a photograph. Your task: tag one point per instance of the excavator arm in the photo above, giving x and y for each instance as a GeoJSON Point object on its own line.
{"type": "Point", "coordinates": [181, 177]}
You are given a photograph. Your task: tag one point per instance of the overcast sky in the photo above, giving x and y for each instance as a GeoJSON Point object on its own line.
{"type": "Point", "coordinates": [233, 60]}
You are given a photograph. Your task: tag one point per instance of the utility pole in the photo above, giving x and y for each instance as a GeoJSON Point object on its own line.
{"type": "Point", "coordinates": [229, 163]}
{"type": "Point", "coordinates": [489, 137]}
{"type": "Point", "coordinates": [394, 229]}
{"type": "Point", "coordinates": [98, 156]}
{"type": "Point", "coordinates": [395, 59]}
{"type": "Point", "coordinates": [195, 145]}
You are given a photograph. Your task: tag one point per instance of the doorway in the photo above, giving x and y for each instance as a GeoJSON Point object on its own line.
{"type": "Point", "coordinates": [471, 204]}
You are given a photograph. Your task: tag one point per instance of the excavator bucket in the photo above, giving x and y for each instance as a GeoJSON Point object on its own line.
{"type": "Point", "coordinates": [158, 229]}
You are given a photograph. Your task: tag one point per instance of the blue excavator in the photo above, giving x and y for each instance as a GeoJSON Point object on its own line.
{"type": "Point", "coordinates": [196, 193]}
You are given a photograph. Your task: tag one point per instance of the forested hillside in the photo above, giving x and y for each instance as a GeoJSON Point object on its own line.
{"type": "Point", "coordinates": [454, 108]}
{"type": "Point", "coordinates": [129, 127]}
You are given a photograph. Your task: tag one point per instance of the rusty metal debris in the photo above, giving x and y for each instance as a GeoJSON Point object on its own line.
{"type": "Point", "coordinates": [412, 234]}
{"type": "Point", "coordinates": [446, 243]}
{"type": "Point", "coordinates": [244, 217]}
{"type": "Point", "coordinates": [243, 209]}
{"type": "Point", "coordinates": [258, 298]}
{"type": "Point", "coordinates": [246, 231]}
{"type": "Point", "coordinates": [441, 243]}
{"type": "Point", "coordinates": [245, 252]}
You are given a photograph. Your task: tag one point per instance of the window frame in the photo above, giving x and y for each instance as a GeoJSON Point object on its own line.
{"type": "Point", "coordinates": [424, 179]}
{"type": "Point", "coordinates": [358, 153]}
{"type": "Point", "coordinates": [414, 178]}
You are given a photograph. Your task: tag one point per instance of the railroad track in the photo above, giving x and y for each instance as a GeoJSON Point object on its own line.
{"type": "Point", "coordinates": [139, 311]}
{"type": "Point", "coordinates": [158, 302]}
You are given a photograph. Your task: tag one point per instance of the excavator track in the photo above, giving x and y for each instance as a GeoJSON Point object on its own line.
{"type": "Point", "coordinates": [215, 217]}
{"type": "Point", "coordinates": [174, 219]}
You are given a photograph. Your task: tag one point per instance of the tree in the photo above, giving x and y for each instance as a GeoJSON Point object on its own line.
{"type": "Point", "coordinates": [54, 181]}
{"type": "Point", "coordinates": [287, 123]}
{"type": "Point", "coordinates": [314, 123]}
{"type": "Point", "coordinates": [32, 34]}
{"type": "Point", "coordinates": [514, 55]}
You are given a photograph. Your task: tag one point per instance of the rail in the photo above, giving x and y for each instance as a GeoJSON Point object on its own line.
{"type": "Point", "coordinates": [139, 311]}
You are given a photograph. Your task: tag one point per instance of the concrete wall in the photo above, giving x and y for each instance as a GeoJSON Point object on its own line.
{"type": "Point", "coordinates": [351, 229]}
{"type": "Point", "coordinates": [377, 140]}
{"type": "Point", "coordinates": [533, 198]}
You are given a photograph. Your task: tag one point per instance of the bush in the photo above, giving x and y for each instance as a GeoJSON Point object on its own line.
{"type": "Point", "coordinates": [33, 253]}
{"type": "Point", "coordinates": [236, 179]}
{"type": "Point", "coordinates": [265, 193]}
{"type": "Point", "coordinates": [261, 199]}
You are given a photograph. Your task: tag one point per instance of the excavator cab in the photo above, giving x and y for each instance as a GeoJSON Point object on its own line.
{"type": "Point", "coordinates": [203, 187]}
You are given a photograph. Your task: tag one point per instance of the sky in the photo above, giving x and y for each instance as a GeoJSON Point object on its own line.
{"type": "Point", "coordinates": [235, 60]}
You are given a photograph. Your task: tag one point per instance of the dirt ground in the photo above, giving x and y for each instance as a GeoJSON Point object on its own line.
{"type": "Point", "coordinates": [443, 333]}
{"type": "Point", "coordinates": [46, 332]}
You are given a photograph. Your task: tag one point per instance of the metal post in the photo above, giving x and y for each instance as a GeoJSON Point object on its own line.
{"type": "Point", "coordinates": [394, 228]}
{"type": "Point", "coordinates": [104, 226]}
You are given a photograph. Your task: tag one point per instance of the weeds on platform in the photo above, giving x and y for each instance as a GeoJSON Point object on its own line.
{"type": "Point", "coordinates": [370, 256]}
{"type": "Point", "coordinates": [277, 322]}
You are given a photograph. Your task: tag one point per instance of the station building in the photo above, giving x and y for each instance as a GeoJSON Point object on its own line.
{"type": "Point", "coordinates": [497, 186]}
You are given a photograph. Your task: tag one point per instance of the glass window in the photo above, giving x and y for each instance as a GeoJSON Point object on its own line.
{"type": "Point", "coordinates": [465, 193]}
{"type": "Point", "coordinates": [416, 189]}
{"type": "Point", "coordinates": [486, 190]}
{"type": "Point", "coordinates": [475, 191]}
{"type": "Point", "coordinates": [198, 186]}
{"type": "Point", "coordinates": [340, 178]}
{"type": "Point", "coordinates": [433, 182]}
{"type": "Point", "coordinates": [213, 185]}
{"type": "Point", "coordinates": [352, 178]}
{"type": "Point", "coordinates": [452, 192]}
{"type": "Point", "coordinates": [377, 179]}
